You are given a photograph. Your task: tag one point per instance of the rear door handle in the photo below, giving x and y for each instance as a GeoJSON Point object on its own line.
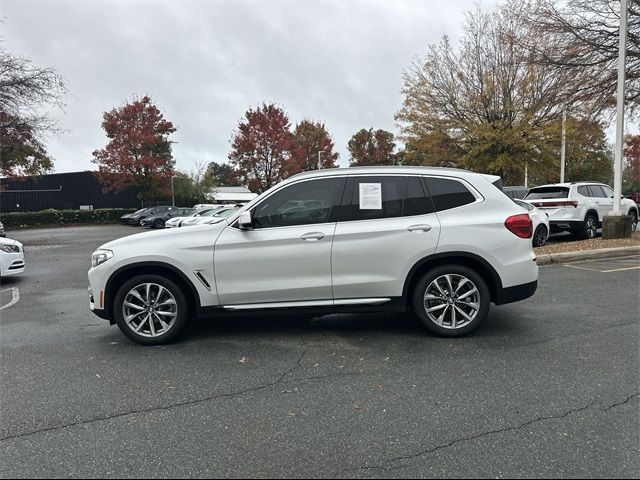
{"type": "Point", "coordinates": [419, 228]}
{"type": "Point", "coordinates": [312, 236]}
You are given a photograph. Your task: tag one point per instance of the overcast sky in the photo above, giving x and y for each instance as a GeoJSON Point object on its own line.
{"type": "Point", "coordinates": [205, 63]}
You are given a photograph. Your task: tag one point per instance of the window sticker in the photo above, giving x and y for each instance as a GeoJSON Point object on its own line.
{"type": "Point", "coordinates": [370, 196]}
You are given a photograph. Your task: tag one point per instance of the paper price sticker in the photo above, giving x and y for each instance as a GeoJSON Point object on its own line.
{"type": "Point", "coordinates": [370, 196]}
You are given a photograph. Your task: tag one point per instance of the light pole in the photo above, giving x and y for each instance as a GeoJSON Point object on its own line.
{"type": "Point", "coordinates": [173, 198]}
{"type": "Point", "coordinates": [319, 161]}
{"type": "Point", "coordinates": [564, 143]}
{"type": "Point", "coordinates": [622, 57]}
{"type": "Point", "coordinates": [617, 224]}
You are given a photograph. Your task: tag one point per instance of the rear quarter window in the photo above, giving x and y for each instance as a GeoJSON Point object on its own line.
{"type": "Point", "coordinates": [448, 193]}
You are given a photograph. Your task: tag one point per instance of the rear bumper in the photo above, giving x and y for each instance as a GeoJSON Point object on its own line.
{"type": "Point", "coordinates": [559, 225]}
{"type": "Point", "coordinates": [516, 293]}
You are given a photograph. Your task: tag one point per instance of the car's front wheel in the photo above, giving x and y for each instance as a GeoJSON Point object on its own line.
{"type": "Point", "coordinates": [451, 300]}
{"type": "Point", "coordinates": [634, 220]}
{"type": "Point", "coordinates": [151, 310]}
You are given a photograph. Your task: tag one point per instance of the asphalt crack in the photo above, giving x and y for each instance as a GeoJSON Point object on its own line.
{"type": "Point", "coordinates": [188, 403]}
{"type": "Point", "coordinates": [456, 441]}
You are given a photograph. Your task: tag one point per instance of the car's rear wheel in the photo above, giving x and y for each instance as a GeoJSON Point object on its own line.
{"type": "Point", "coordinates": [589, 228]}
{"type": "Point", "coordinates": [451, 300]}
{"type": "Point", "coordinates": [540, 236]}
{"type": "Point", "coordinates": [158, 223]}
{"type": "Point", "coordinates": [150, 310]}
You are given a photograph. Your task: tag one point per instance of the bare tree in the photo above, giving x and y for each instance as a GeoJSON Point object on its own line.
{"type": "Point", "coordinates": [582, 37]}
{"type": "Point", "coordinates": [25, 89]}
{"type": "Point", "coordinates": [484, 105]}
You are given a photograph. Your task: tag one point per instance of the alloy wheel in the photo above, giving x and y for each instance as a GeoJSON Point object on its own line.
{"type": "Point", "coordinates": [541, 236]}
{"type": "Point", "coordinates": [452, 301]}
{"type": "Point", "coordinates": [149, 310]}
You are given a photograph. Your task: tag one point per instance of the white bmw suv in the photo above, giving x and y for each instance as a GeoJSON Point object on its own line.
{"type": "Point", "coordinates": [578, 207]}
{"type": "Point", "coordinates": [441, 243]}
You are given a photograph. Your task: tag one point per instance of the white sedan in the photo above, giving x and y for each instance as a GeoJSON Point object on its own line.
{"type": "Point", "coordinates": [11, 257]}
{"type": "Point", "coordinates": [177, 221]}
{"type": "Point", "coordinates": [210, 217]}
{"type": "Point", "coordinates": [540, 223]}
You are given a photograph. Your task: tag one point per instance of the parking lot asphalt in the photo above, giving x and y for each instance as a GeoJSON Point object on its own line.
{"type": "Point", "coordinates": [548, 387]}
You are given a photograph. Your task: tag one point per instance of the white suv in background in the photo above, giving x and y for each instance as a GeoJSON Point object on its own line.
{"type": "Point", "coordinates": [578, 207]}
{"type": "Point", "coordinates": [441, 243]}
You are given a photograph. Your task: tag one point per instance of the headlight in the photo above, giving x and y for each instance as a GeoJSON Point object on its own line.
{"type": "Point", "coordinates": [100, 256]}
{"type": "Point", "coordinates": [10, 248]}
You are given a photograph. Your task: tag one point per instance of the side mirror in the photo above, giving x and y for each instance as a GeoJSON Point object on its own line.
{"type": "Point", "coordinates": [244, 221]}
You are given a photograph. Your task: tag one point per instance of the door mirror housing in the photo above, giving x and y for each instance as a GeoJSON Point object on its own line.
{"type": "Point", "coordinates": [245, 222]}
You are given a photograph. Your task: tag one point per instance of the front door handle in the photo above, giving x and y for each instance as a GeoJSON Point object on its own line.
{"type": "Point", "coordinates": [312, 236]}
{"type": "Point", "coordinates": [419, 228]}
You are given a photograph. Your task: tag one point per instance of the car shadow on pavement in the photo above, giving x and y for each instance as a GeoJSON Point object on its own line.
{"type": "Point", "coordinates": [348, 325]}
{"type": "Point", "coordinates": [11, 281]}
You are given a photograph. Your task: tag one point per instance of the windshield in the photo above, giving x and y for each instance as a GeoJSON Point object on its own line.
{"type": "Point", "coordinates": [212, 212]}
{"type": "Point", "coordinates": [226, 212]}
{"type": "Point", "coordinates": [547, 192]}
{"type": "Point", "coordinates": [203, 212]}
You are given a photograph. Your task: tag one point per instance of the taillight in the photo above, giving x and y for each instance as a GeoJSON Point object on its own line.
{"type": "Point", "coordinates": [520, 225]}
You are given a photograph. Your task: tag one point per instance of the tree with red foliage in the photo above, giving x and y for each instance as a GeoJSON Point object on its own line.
{"type": "Point", "coordinates": [139, 150]}
{"type": "Point", "coordinates": [371, 148]}
{"type": "Point", "coordinates": [315, 146]}
{"type": "Point", "coordinates": [263, 150]}
{"type": "Point", "coordinates": [631, 174]}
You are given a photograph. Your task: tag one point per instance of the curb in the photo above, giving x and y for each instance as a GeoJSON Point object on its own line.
{"type": "Point", "coordinates": [568, 257]}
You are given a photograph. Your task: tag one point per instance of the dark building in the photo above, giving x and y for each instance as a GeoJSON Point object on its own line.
{"type": "Point", "coordinates": [62, 191]}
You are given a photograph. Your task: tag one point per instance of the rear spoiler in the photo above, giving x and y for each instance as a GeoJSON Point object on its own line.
{"type": "Point", "coordinates": [494, 179]}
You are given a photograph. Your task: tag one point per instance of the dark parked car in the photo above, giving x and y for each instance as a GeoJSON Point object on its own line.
{"type": "Point", "coordinates": [516, 192]}
{"type": "Point", "coordinates": [137, 217]}
{"type": "Point", "coordinates": [157, 220]}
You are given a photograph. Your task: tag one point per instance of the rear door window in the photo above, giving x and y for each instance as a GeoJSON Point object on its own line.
{"type": "Point", "coordinates": [448, 193]}
{"type": "Point", "coordinates": [374, 197]}
{"type": "Point", "coordinates": [584, 191]}
{"type": "Point", "coordinates": [416, 202]}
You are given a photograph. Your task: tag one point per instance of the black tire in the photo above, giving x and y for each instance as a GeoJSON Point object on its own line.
{"type": "Point", "coordinates": [420, 303]}
{"type": "Point", "coordinates": [589, 227]}
{"type": "Point", "coordinates": [540, 236]}
{"type": "Point", "coordinates": [140, 221]}
{"type": "Point", "coordinates": [158, 223]}
{"type": "Point", "coordinates": [181, 311]}
{"type": "Point", "coordinates": [634, 220]}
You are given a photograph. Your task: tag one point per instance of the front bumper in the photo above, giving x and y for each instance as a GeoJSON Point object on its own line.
{"type": "Point", "coordinates": [100, 312]}
{"type": "Point", "coordinates": [12, 264]}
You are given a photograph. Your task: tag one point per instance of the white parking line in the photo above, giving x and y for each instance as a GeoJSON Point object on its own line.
{"type": "Point", "coordinates": [15, 297]}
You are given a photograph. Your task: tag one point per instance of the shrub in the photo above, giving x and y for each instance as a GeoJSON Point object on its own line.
{"type": "Point", "coordinates": [63, 217]}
